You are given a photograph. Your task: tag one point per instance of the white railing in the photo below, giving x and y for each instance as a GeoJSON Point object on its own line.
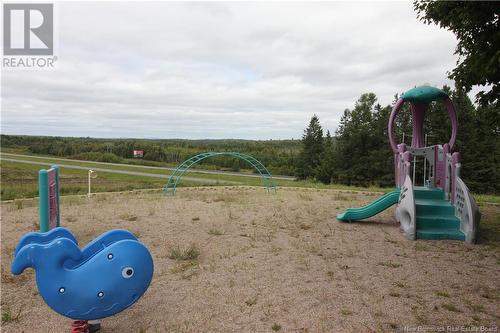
{"type": "Point", "coordinates": [440, 168]}
{"type": "Point", "coordinates": [427, 154]}
{"type": "Point", "coordinates": [466, 211]}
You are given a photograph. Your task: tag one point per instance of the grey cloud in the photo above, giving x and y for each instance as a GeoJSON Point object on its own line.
{"type": "Point", "coordinates": [221, 70]}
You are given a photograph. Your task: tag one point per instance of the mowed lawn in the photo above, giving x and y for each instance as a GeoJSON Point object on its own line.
{"type": "Point", "coordinates": [238, 259]}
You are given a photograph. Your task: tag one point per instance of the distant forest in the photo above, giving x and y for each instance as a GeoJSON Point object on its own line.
{"type": "Point", "coordinates": [358, 153]}
{"type": "Point", "coordinates": [277, 155]}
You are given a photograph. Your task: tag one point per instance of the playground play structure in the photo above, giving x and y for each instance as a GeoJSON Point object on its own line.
{"type": "Point", "coordinates": [102, 279]}
{"type": "Point", "coordinates": [184, 167]}
{"type": "Point", "coordinates": [442, 207]}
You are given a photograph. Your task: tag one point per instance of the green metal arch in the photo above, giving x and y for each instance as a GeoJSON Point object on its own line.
{"type": "Point", "coordinates": [184, 167]}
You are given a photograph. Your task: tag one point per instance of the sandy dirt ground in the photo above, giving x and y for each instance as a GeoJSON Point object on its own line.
{"type": "Point", "coordinates": [267, 262]}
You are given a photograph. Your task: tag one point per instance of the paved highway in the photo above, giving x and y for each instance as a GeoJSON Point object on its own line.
{"type": "Point", "coordinates": [123, 172]}
{"type": "Point", "coordinates": [145, 167]}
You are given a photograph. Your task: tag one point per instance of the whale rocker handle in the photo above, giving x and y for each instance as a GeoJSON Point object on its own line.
{"type": "Point", "coordinates": [52, 254]}
{"type": "Point", "coordinates": [44, 237]}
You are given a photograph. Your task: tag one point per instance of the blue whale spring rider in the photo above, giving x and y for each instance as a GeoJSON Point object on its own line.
{"type": "Point", "coordinates": [105, 277]}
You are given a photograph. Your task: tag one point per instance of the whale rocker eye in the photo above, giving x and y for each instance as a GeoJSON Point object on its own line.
{"type": "Point", "coordinates": [127, 272]}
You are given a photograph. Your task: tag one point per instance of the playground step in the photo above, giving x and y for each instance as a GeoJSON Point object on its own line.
{"type": "Point", "coordinates": [422, 192]}
{"type": "Point", "coordinates": [434, 207]}
{"type": "Point", "coordinates": [437, 222]}
{"type": "Point", "coordinates": [440, 234]}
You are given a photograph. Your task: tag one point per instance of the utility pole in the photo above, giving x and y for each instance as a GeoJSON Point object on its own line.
{"type": "Point", "coordinates": [92, 175]}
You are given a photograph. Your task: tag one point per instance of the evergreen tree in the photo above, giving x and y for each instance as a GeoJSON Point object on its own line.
{"type": "Point", "coordinates": [354, 143]}
{"type": "Point", "coordinates": [467, 138]}
{"type": "Point", "coordinates": [482, 172]}
{"type": "Point", "coordinates": [325, 170]}
{"type": "Point", "coordinates": [437, 123]}
{"type": "Point", "coordinates": [402, 124]}
{"type": "Point", "coordinates": [380, 156]}
{"type": "Point", "coordinates": [312, 149]}
{"type": "Point", "coordinates": [236, 165]}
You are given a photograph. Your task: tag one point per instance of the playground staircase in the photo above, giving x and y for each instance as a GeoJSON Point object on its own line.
{"type": "Point", "coordinates": [435, 216]}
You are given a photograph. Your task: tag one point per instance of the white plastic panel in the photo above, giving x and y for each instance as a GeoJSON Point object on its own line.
{"type": "Point", "coordinates": [405, 212]}
{"type": "Point", "coordinates": [466, 211]}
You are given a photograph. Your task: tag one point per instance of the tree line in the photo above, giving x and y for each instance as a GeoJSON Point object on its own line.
{"type": "Point", "coordinates": [277, 155]}
{"type": "Point", "coordinates": [359, 153]}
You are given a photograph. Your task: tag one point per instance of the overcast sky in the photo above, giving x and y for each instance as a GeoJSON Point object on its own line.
{"type": "Point", "coordinates": [221, 70]}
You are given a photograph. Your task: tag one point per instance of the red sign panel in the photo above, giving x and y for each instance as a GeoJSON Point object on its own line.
{"type": "Point", "coordinates": [53, 208]}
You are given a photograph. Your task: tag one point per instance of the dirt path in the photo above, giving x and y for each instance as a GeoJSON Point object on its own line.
{"type": "Point", "coordinates": [278, 262]}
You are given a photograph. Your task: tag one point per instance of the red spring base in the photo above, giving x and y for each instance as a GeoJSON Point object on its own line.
{"type": "Point", "coordinates": [83, 326]}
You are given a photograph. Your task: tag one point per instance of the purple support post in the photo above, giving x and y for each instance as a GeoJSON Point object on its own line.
{"type": "Point", "coordinates": [454, 121]}
{"type": "Point", "coordinates": [418, 115]}
{"type": "Point", "coordinates": [392, 118]}
{"type": "Point", "coordinates": [407, 156]}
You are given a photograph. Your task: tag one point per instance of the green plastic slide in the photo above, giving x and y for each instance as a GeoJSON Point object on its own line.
{"type": "Point", "coordinates": [379, 205]}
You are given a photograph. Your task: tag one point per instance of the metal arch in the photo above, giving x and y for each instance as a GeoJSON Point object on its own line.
{"type": "Point", "coordinates": [184, 167]}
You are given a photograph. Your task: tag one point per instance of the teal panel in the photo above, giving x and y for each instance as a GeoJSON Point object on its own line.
{"type": "Point", "coordinates": [433, 207]}
{"type": "Point", "coordinates": [422, 192]}
{"type": "Point", "coordinates": [43, 200]}
{"type": "Point", "coordinates": [438, 222]}
{"type": "Point", "coordinates": [440, 234]}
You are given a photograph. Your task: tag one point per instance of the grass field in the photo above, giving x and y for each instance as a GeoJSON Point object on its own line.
{"type": "Point", "coordinates": [19, 180]}
{"type": "Point", "coordinates": [236, 259]}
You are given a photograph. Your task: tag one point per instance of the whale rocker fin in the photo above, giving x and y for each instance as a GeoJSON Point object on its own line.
{"type": "Point", "coordinates": [44, 237]}
{"type": "Point", "coordinates": [53, 254]}
{"type": "Point", "coordinates": [99, 243]}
